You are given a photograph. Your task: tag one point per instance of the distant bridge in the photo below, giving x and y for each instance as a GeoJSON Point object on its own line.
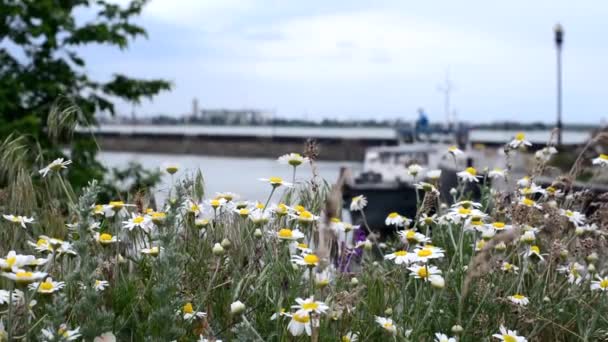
{"type": "Point", "coordinates": [336, 143]}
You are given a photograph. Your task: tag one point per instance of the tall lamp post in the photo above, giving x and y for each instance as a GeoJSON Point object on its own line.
{"type": "Point", "coordinates": [559, 39]}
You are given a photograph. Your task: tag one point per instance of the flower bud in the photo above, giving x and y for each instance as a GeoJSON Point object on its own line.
{"type": "Point", "coordinates": [237, 308]}
{"type": "Point", "coordinates": [591, 268]}
{"type": "Point", "coordinates": [226, 244]}
{"type": "Point", "coordinates": [217, 249]}
{"type": "Point", "coordinates": [258, 233]}
{"type": "Point", "coordinates": [354, 281]}
{"type": "Point", "coordinates": [453, 192]}
{"type": "Point", "coordinates": [593, 257]}
{"type": "Point", "coordinates": [367, 245]}
{"type": "Point", "coordinates": [457, 329]}
{"type": "Point", "coordinates": [388, 311]}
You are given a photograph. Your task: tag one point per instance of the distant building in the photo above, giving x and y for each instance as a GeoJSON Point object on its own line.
{"type": "Point", "coordinates": [232, 116]}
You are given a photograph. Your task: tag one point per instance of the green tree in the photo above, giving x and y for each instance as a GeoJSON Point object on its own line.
{"type": "Point", "coordinates": [40, 63]}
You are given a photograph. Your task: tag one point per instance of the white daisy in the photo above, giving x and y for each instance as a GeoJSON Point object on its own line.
{"type": "Point", "coordinates": [260, 217]}
{"type": "Point", "coordinates": [545, 154]}
{"type": "Point", "coordinates": [105, 238]}
{"type": "Point", "coordinates": [310, 305]}
{"type": "Point", "coordinates": [293, 159]}
{"type": "Point", "coordinates": [5, 295]}
{"type": "Point", "coordinates": [573, 216]}
{"type": "Point", "coordinates": [509, 335]}
{"type": "Point", "coordinates": [535, 251]}
{"type": "Point", "coordinates": [519, 140]}
{"type": "Point", "coordinates": [22, 220]}
{"type": "Point", "coordinates": [423, 272]}
{"type": "Point", "coordinates": [414, 170]}
{"type": "Point", "coordinates": [468, 175]}
{"type": "Point", "coordinates": [508, 267]}
{"type": "Point", "coordinates": [62, 334]}
{"type": "Point", "coordinates": [601, 160]}
{"type": "Point", "coordinates": [413, 236]}
{"type": "Point", "coordinates": [55, 166]}
{"type": "Point", "coordinates": [400, 257]}
{"type": "Point", "coordinates": [309, 260]}
{"type": "Point", "coordinates": [455, 151]}
{"type": "Point", "coordinates": [47, 286]}
{"type": "Point", "coordinates": [350, 337]}
{"type": "Point", "coordinates": [170, 168]}
{"type": "Point", "coordinates": [100, 285]}
{"type": "Point", "coordinates": [14, 260]}
{"type": "Point", "coordinates": [424, 254]}
{"type": "Point", "coordinates": [601, 284]}
{"type": "Point", "coordinates": [153, 251]}
{"type": "Point", "coordinates": [433, 174]}
{"type": "Point", "coordinates": [387, 324]}
{"type": "Point", "coordinates": [523, 182]}
{"type": "Point", "coordinates": [519, 299]}
{"type": "Point", "coordinates": [358, 203]}
{"type": "Point", "coordinates": [193, 207]}
{"type": "Point", "coordinates": [439, 337]}
{"type": "Point", "coordinates": [23, 276]}
{"type": "Point", "coordinates": [189, 313]}
{"type": "Point", "coordinates": [497, 173]}
{"type": "Point", "coordinates": [138, 221]}
{"type": "Point", "coordinates": [396, 220]}
{"type": "Point", "coordinates": [301, 322]}
{"type": "Point", "coordinates": [276, 182]}
{"type": "Point", "coordinates": [288, 234]}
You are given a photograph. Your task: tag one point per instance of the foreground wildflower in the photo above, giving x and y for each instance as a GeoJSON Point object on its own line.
{"type": "Point", "coordinates": [216, 203]}
{"type": "Point", "coordinates": [301, 322]}
{"type": "Point", "coordinates": [423, 272]}
{"type": "Point", "coordinates": [5, 295]}
{"type": "Point", "coordinates": [468, 175]}
{"type": "Point", "coordinates": [497, 173]}
{"type": "Point", "coordinates": [573, 216]}
{"type": "Point", "coordinates": [519, 141]}
{"type": "Point", "coordinates": [23, 276]}
{"type": "Point", "coordinates": [387, 324]}
{"type": "Point", "coordinates": [412, 236]}
{"type": "Point", "coordinates": [309, 260]}
{"type": "Point", "coordinates": [55, 166]}
{"type": "Point", "coordinates": [508, 267]}
{"type": "Point", "coordinates": [414, 170]}
{"type": "Point", "coordinates": [171, 168]}
{"type": "Point", "coordinates": [293, 159]}
{"type": "Point", "coordinates": [14, 260]}
{"type": "Point", "coordinates": [310, 305]}
{"type": "Point", "coordinates": [105, 238]}
{"type": "Point", "coordinates": [276, 182]}
{"type": "Point", "coordinates": [305, 217]}
{"type": "Point", "coordinates": [535, 251]}
{"type": "Point", "coordinates": [153, 251]}
{"type": "Point", "coordinates": [455, 151]}
{"type": "Point", "coordinates": [62, 334]}
{"type": "Point", "coordinates": [400, 257]}
{"type": "Point", "coordinates": [116, 207]}
{"type": "Point", "coordinates": [105, 337]}
{"type": "Point", "coordinates": [439, 337]}
{"type": "Point", "coordinates": [395, 219]}
{"type": "Point", "coordinates": [190, 314]}
{"type": "Point", "coordinates": [519, 299]}
{"type": "Point", "coordinates": [192, 207]}
{"type": "Point", "coordinates": [529, 203]}
{"type": "Point", "coordinates": [509, 335]}
{"type": "Point", "coordinates": [350, 337]}
{"type": "Point", "coordinates": [237, 308]}
{"type": "Point", "coordinates": [22, 220]}
{"type": "Point", "coordinates": [100, 285]}
{"type": "Point", "coordinates": [259, 217]}
{"type": "Point", "coordinates": [358, 203]}
{"type": "Point", "coordinates": [545, 154]}
{"type": "Point", "coordinates": [47, 286]}
{"type": "Point", "coordinates": [433, 174]}
{"type": "Point", "coordinates": [601, 160]}
{"type": "Point", "coordinates": [600, 284]}
{"type": "Point", "coordinates": [288, 234]}
{"type": "Point", "coordinates": [426, 253]}
{"type": "Point", "coordinates": [137, 221]}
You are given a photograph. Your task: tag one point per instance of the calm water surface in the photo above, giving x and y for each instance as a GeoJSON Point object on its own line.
{"type": "Point", "coordinates": [238, 175]}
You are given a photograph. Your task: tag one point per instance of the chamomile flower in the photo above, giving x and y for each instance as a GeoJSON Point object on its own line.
{"type": "Point", "coordinates": [468, 175]}
{"type": "Point", "coordinates": [455, 151]}
{"type": "Point", "coordinates": [486, 232]}
{"type": "Point", "coordinates": [61, 334]}
{"type": "Point", "coordinates": [18, 219]}
{"type": "Point", "coordinates": [423, 271]}
{"type": "Point", "coordinates": [545, 154]}
{"type": "Point", "coordinates": [519, 299]}
{"type": "Point", "coordinates": [573, 216]}
{"type": "Point", "coordinates": [509, 268]}
{"type": "Point", "coordinates": [105, 238]}
{"type": "Point", "coordinates": [400, 257]}
{"type": "Point", "coordinates": [528, 237]}
{"type": "Point", "coordinates": [41, 245]}
{"type": "Point", "coordinates": [23, 276]}
{"type": "Point", "coordinates": [152, 251]}
{"type": "Point", "coordinates": [242, 212]}
{"type": "Point", "coordinates": [116, 207]}
{"type": "Point", "coordinates": [138, 221]}
{"type": "Point", "coordinates": [358, 203]}
{"type": "Point", "coordinates": [426, 187]}
{"type": "Point", "coordinates": [349, 337]}
{"type": "Point", "coordinates": [574, 272]}
{"type": "Point", "coordinates": [387, 324]}
{"type": "Point", "coordinates": [530, 203]}
{"type": "Point", "coordinates": [171, 168]}
{"type": "Point", "coordinates": [519, 140]}
{"type": "Point", "coordinates": [497, 173]}
{"type": "Point", "coordinates": [414, 170]}
{"type": "Point", "coordinates": [299, 246]}
{"type": "Point", "coordinates": [426, 253]}
{"type": "Point", "coordinates": [288, 234]}
{"type": "Point", "coordinates": [439, 337]}
{"type": "Point", "coordinates": [301, 322]}
{"type": "Point", "coordinates": [192, 207]}
{"type": "Point", "coordinates": [228, 196]}
{"type": "Point", "coordinates": [395, 219]}
{"type": "Point", "coordinates": [276, 182]}
{"type": "Point", "coordinates": [189, 313]}
{"type": "Point", "coordinates": [14, 260]}
{"type": "Point", "coordinates": [100, 285]}
{"type": "Point", "coordinates": [55, 166]}
{"type": "Point", "coordinates": [217, 202]}
{"type": "Point", "coordinates": [5, 295]}
{"type": "Point", "coordinates": [293, 159]}
{"type": "Point", "coordinates": [259, 217]}
{"type": "Point", "coordinates": [479, 245]}
{"type": "Point", "coordinates": [309, 260]}
{"type": "Point", "coordinates": [532, 189]}
{"type": "Point", "coordinates": [433, 175]}
{"type": "Point", "coordinates": [509, 335]}
{"type": "Point", "coordinates": [426, 221]}
{"type": "Point", "coordinates": [523, 182]}
{"type": "Point", "coordinates": [47, 286]}
{"type": "Point", "coordinates": [601, 284]}
{"type": "Point", "coordinates": [304, 217]}
{"type": "Point", "coordinates": [601, 160]}
{"type": "Point", "coordinates": [413, 236]}
{"type": "Point", "coordinates": [282, 312]}
{"type": "Point", "coordinates": [108, 336]}
{"type": "Point", "coordinates": [534, 251]}
{"type": "Point", "coordinates": [280, 209]}
{"type": "Point", "coordinates": [310, 305]}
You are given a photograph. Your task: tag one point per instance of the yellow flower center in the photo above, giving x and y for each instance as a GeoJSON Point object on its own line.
{"type": "Point", "coordinates": [520, 136]}
{"type": "Point", "coordinates": [46, 286]}
{"type": "Point", "coordinates": [259, 205]}
{"type": "Point", "coordinates": [425, 252]}
{"type": "Point", "coordinates": [550, 189]}
{"type": "Point", "coordinates": [464, 211]}
{"type": "Point", "coordinates": [569, 213]}
{"type": "Point", "coordinates": [310, 306]}
{"type": "Point", "coordinates": [472, 171]}
{"type": "Point", "coordinates": [311, 259]}
{"type": "Point", "coordinates": [528, 202]}
{"type": "Point", "coordinates": [171, 169]}
{"type": "Point", "coordinates": [117, 205]}
{"type": "Point", "coordinates": [158, 216]}
{"type": "Point", "coordinates": [507, 266]}
{"type": "Point", "coordinates": [306, 215]}
{"type": "Point", "coordinates": [518, 296]}
{"type": "Point", "coordinates": [400, 253]}
{"type": "Point", "coordinates": [11, 261]}
{"type": "Point", "coordinates": [428, 220]}
{"type": "Point", "coordinates": [535, 249]}
{"type": "Point", "coordinates": [345, 338]}
{"type": "Point", "coordinates": [194, 207]}
{"type": "Point", "coordinates": [99, 208]}
{"type": "Point", "coordinates": [285, 233]}
{"type": "Point", "coordinates": [452, 148]}
{"type": "Point", "coordinates": [276, 180]}
{"type": "Point", "coordinates": [244, 212]}
{"type": "Point", "coordinates": [24, 274]}
{"type": "Point", "coordinates": [42, 243]}
{"type": "Point", "coordinates": [481, 244]}
{"type": "Point", "coordinates": [16, 219]}
{"type": "Point", "coordinates": [138, 219]}
{"type": "Point", "coordinates": [335, 220]}
{"type": "Point", "coordinates": [215, 203]}
{"type": "Point", "coordinates": [393, 215]}
{"type": "Point", "coordinates": [604, 283]}
{"type": "Point", "coordinates": [410, 235]}
{"type": "Point", "coordinates": [422, 272]}
{"type": "Point", "coordinates": [300, 208]}
{"type": "Point", "coordinates": [388, 325]}
{"type": "Point", "coordinates": [302, 245]}
{"type": "Point", "coordinates": [603, 156]}
{"type": "Point", "coordinates": [498, 225]}
{"type": "Point", "coordinates": [508, 338]}
{"type": "Point", "coordinates": [105, 237]}
{"type": "Point", "coordinates": [188, 308]}
{"type": "Point", "coordinates": [301, 318]}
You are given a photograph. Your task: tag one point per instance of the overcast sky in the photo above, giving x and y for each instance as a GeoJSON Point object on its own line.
{"type": "Point", "coordinates": [370, 59]}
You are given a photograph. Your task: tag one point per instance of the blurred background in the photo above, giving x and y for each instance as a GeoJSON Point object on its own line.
{"type": "Point", "coordinates": [227, 86]}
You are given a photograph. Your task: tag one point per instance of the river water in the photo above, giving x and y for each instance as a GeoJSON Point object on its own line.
{"type": "Point", "coordinates": [237, 175]}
